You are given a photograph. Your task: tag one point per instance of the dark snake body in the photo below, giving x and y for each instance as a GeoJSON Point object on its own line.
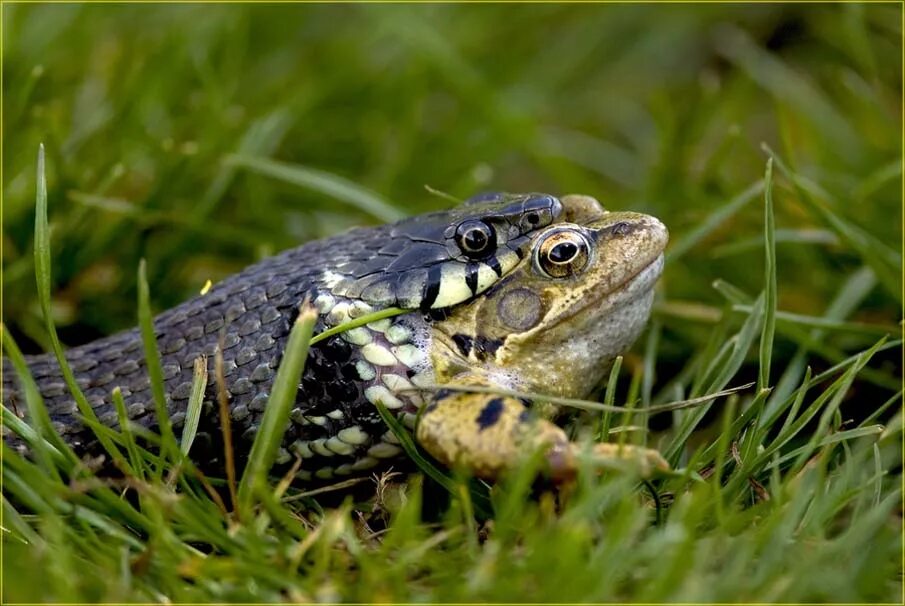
{"type": "Point", "coordinates": [336, 429]}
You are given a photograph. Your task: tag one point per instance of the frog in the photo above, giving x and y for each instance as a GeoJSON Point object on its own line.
{"type": "Point", "coordinates": [553, 326]}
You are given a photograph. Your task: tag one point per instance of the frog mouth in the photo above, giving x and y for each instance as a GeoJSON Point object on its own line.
{"type": "Point", "coordinates": [636, 285]}
{"type": "Point", "coordinates": [646, 277]}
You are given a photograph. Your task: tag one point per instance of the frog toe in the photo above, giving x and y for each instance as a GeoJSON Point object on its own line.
{"type": "Point", "coordinates": [646, 462]}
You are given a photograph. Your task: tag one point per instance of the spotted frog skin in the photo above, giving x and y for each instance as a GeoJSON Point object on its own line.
{"type": "Point", "coordinates": [493, 297]}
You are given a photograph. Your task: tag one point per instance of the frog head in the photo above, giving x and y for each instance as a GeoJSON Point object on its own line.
{"type": "Point", "coordinates": [555, 324]}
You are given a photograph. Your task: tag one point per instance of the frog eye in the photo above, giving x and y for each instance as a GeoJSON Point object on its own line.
{"type": "Point", "coordinates": [475, 238]}
{"type": "Point", "coordinates": [562, 254]}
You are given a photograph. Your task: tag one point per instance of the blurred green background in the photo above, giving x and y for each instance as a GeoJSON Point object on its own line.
{"type": "Point", "coordinates": [661, 109]}
{"type": "Point", "coordinates": [205, 137]}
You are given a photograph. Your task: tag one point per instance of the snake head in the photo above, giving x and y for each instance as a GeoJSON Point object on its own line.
{"type": "Point", "coordinates": [442, 259]}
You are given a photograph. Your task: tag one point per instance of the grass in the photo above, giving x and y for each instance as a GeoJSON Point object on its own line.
{"type": "Point", "coordinates": [202, 138]}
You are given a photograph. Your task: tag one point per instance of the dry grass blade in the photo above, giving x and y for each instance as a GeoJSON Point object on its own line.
{"type": "Point", "coordinates": [585, 404]}
{"type": "Point", "coordinates": [226, 429]}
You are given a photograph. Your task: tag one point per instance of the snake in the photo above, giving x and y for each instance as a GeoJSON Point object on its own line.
{"type": "Point", "coordinates": [424, 265]}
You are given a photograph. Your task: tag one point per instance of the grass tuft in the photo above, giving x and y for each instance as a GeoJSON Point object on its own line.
{"type": "Point", "coordinates": [203, 138]}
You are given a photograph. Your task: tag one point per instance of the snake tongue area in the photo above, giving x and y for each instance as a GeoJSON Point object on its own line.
{"type": "Point", "coordinates": [429, 264]}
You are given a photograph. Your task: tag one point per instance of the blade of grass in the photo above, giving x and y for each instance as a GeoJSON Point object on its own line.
{"type": "Point", "coordinates": [31, 437]}
{"type": "Point", "coordinates": [874, 330]}
{"type": "Point", "coordinates": [13, 521]}
{"type": "Point", "coordinates": [389, 312]}
{"type": "Point", "coordinates": [411, 449]}
{"type": "Point", "coordinates": [651, 348]}
{"type": "Point", "coordinates": [823, 424]}
{"type": "Point", "coordinates": [769, 325]}
{"type": "Point", "coordinates": [37, 412]}
{"type": "Point", "coordinates": [832, 394]}
{"type": "Point", "coordinates": [740, 344]}
{"type": "Point", "coordinates": [168, 445]}
{"type": "Point", "coordinates": [783, 236]}
{"type": "Point", "coordinates": [603, 428]}
{"type": "Point", "coordinates": [261, 138]}
{"type": "Point", "coordinates": [886, 263]}
{"type": "Point", "coordinates": [136, 465]}
{"type": "Point", "coordinates": [722, 450]}
{"type": "Point", "coordinates": [196, 398]}
{"type": "Point", "coordinates": [713, 221]}
{"type": "Point", "coordinates": [276, 416]}
{"type": "Point", "coordinates": [852, 292]}
{"type": "Point", "coordinates": [883, 407]}
{"type": "Point", "coordinates": [42, 277]}
{"type": "Point", "coordinates": [323, 182]}
{"type": "Point", "coordinates": [796, 403]}
{"type": "Point", "coordinates": [808, 341]}
{"type": "Point", "coordinates": [581, 404]}
{"type": "Point", "coordinates": [833, 438]}
{"type": "Point", "coordinates": [732, 293]}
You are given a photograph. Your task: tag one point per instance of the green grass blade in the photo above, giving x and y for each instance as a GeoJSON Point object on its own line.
{"type": "Point", "coordinates": [713, 221]}
{"type": "Point", "coordinates": [732, 293]}
{"type": "Point", "coordinates": [323, 182]}
{"type": "Point", "coordinates": [136, 464]}
{"type": "Point", "coordinates": [408, 444]}
{"type": "Point", "coordinates": [862, 328]}
{"type": "Point", "coordinates": [42, 277]}
{"type": "Point", "coordinates": [584, 404]}
{"type": "Point", "coordinates": [716, 380]}
{"type": "Point", "coordinates": [886, 263]}
{"type": "Point", "coordinates": [603, 428]}
{"type": "Point", "coordinates": [833, 438]}
{"type": "Point", "coordinates": [261, 138]}
{"type": "Point", "coordinates": [803, 236]}
{"type": "Point", "coordinates": [15, 523]}
{"type": "Point", "coordinates": [850, 295]}
{"type": "Point", "coordinates": [796, 404]}
{"type": "Point", "coordinates": [40, 419]}
{"type": "Point", "coordinates": [769, 325]}
{"type": "Point", "coordinates": [169, 448]}
{"type": "Point", "coordinates": [388, 312]}
{"type": "Point", "coordinates": [883, 407]}
{"type": "Point", "coordinates": [42, 446]}
{"type": "Point", "coordinates": [276, 416]}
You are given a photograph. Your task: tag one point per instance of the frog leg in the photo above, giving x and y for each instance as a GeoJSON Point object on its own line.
{"type": "Point", "coordinates": [489, 434]}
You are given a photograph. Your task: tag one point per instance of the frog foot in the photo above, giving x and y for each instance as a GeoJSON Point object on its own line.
{"type": "Point", "coordinates": [646, 462]}
{"type": "Point", "coordinates": [488, 435]}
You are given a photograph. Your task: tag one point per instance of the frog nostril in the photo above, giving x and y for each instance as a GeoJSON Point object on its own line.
{"type": "Point", "coordinates": [621, 228]}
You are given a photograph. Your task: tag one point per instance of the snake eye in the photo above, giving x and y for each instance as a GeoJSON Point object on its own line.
{"type": "Point", "coordinates": [562, 254]}
{"type": "Point", "coordinates": [475, 238]}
